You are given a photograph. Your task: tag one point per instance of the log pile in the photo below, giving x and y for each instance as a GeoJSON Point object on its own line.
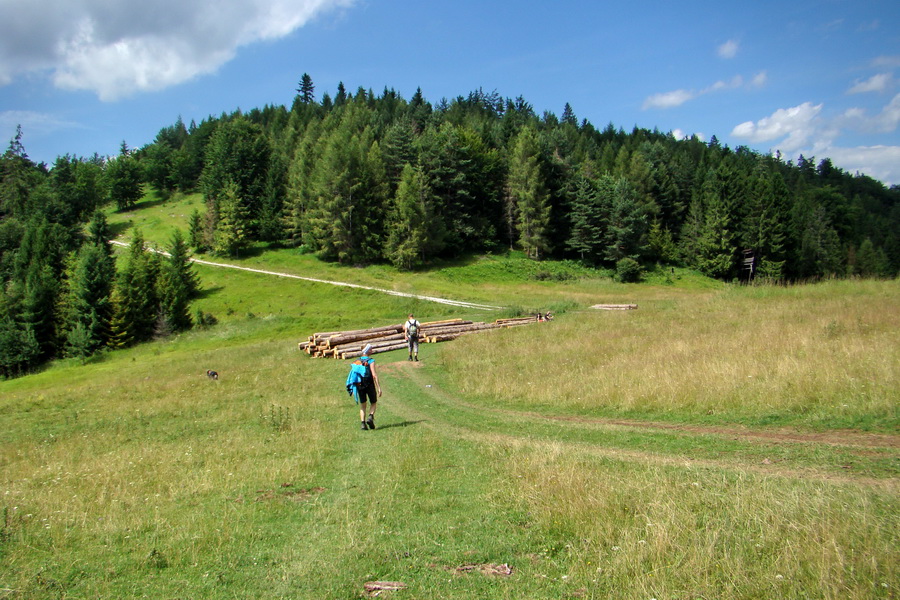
{"type": "Point", "coordinates": [350, 344]}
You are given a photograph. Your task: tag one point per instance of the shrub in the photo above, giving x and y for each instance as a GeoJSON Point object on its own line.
{"type": "Point", "coordinates": [628, 270]}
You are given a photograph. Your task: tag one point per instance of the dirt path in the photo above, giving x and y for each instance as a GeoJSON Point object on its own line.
{"type": "Point", "coordinates": [447, 301]}
{"type": "Point", "coordinates": [852, 442]}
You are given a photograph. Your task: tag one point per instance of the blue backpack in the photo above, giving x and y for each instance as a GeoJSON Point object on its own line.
{"type": "Point", "coordinates": [360, 376]}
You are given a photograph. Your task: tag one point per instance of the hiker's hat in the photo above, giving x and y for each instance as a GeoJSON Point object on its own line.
{"type": "Point", "coordinates": [367, 349]}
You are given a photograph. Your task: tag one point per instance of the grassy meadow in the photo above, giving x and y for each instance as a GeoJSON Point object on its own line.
{"type": "Point", "coordinates": [718, 442]}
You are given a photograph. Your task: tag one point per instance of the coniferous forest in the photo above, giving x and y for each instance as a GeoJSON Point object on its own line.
{"type": "Point", "coordinates": [362, 178]}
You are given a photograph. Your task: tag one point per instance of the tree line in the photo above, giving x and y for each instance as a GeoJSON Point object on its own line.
{"type": "Point", "coordinates": [64, 292]}
{"type": "Point", "coordinates": [362, 177]}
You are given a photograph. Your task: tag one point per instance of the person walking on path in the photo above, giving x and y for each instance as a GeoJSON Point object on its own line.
{"type": "Point", "coordinates": [363, 383]}
{"type": "Point", "coordinates": [411, 331]}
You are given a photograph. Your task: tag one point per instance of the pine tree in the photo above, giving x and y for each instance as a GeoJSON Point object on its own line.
{"type": "Point", "coordinates": [587, 221]}
{"type": "Point", "coordinates": [412, 238]}
{"type": "Point", "coordinates": [195, 232]}
{"type": "Point", "coordinates": [716, 246]}
{"type": "Point", "coordinates": [231, 235]}
{"type": "Point", "coordinates": [871, 261]}
{"type": "Point", "coordinates": [526, 185]}
{"type": "Point", "coordinates": [626, 224]}
{"type": "Point", "coordinates": [89, 302]}
{"type": "Point", "coordinates": [19, 348]}
{"type": "Point", "coordinates": [306, 89]}
{"type": "Point", "coordinates": [820, 251]}
{"type": "Point", "coordinates": [177, 285]}
{"type": "Point", "coordinates": [123, 181]}
{"type": "Point", "coordinates": [137, 290]}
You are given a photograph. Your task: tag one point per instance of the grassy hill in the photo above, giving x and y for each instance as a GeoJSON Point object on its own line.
{"type": "Point", "coordinates": [718, 442]}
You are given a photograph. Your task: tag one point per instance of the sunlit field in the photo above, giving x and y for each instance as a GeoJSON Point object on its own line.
{"type": "Point", "coordinates": [717, 442]}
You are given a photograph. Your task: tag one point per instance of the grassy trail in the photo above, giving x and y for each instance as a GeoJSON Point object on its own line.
{"type": "Point", "coordinates": [859, 457]}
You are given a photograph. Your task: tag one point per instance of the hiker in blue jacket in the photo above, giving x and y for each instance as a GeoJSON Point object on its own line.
{"type": "Point", "coordinates": [362, 383]}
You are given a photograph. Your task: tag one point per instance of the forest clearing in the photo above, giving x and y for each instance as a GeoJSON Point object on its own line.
{"type": "Point", "coordinates": [750, 451]}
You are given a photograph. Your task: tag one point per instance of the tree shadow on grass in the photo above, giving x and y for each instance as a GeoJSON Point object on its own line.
{"type": "Point", "coordinates": [207, 292]}
{"type": "Point", "coordinates": [117, 229]}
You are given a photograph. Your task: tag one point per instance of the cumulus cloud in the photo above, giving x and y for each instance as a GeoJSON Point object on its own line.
{"type": "Point", "coordinates": [728, 50]}
{"type": "Point", "coordinates": [669, 99]}
{"type": "Point", "coordinates": [115, 49]}
{"type": "Point", "coordinates": [679, 97]}
{"type": "Point", "coordinates": [886, 121]}
{"type": "Point", "coordinates": [876, 83]}
{"type": "Point", "coordinates": [804, 130]}
{"type": "Point", "coordinates": [794, 126]}
{"type": "Point", "coordinates": [879, 162]}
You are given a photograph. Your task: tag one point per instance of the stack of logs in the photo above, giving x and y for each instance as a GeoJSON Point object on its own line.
{"type": "Point", "coordinates": [350, 344]}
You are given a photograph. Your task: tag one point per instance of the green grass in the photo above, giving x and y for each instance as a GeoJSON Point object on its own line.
{"type": "Point", "coordinates": [603, 455]}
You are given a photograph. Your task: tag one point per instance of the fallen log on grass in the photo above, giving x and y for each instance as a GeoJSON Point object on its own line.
{"type": "Point", "coordinates": [615, 306]}
{"type": "Point", "coordinates": [357, 353]}
{"type": "Point", "coordinates": [350, 344]}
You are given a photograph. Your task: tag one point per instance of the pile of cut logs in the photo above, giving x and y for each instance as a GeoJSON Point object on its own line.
{"type": "Point", "coordinates": [350, 344]}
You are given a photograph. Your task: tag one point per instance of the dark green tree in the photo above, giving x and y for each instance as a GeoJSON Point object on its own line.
{"type": "Point", "coordinates": [625, 228]}
{"type": "Point", "coordinates": [871, 261]}
{"type": "Point", "coordinates": [526, 186]}
{"type": "Point", "coordinates": [238, 152]}
{"type": "Point", "coordinates": [178, 284]}
{"type": "Point", "coordinates": [820, 251]}
{"type": "Point", "coordinates": [232, 232]}
{"type": "Point", "coordinates": [588, 220]}
{"type": "Point", "coordinates": [138, 304]}
{"type": "Point", "coordinates": [306, 89]}
{"type": "Point", "coordinates": [123, 180]}
{"type": "Point", "coordinates": [412, 233]}
{"type": "Point", "coordinates": [89, 299]}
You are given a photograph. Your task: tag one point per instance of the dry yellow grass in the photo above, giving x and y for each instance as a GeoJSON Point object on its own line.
{"type": "Point", "coordinates": [829, 351]}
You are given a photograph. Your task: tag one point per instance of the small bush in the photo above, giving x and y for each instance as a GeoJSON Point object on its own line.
{"type": "Point", "coordinates": [551, 276]}
{"type": "Point", "coordinates": [628, 270]}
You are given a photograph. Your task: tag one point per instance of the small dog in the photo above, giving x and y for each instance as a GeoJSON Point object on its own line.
{"type": "Point", "coordinates": [212, 374]}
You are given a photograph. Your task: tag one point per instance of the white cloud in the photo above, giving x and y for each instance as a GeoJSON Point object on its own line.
{"type": "Point", "coordinates": [879, 162]}
{"type": "Point", "coordinates": [33, 122]}
{"type": "Point", "coordinates": [668, 99]}
{"type": "Point", "coordinates": [794, 126]}
{"type": "Point", "coordinates": [115, 49]}
{"type": "Point", "coordinates": [736, 82]}
{"type": "Point", "coordinates": [876, 83]}
{"type": "Point", "coordinates": [728, 50]}
{"type": "Point", "coordinates": [760, 79]}
{"type": "Point", "coordinates": [804, 130]}
{"type": "Point", "coordinates": [886, 121]}
{"type": "Point", "coordinates": [679, 97]}
{"type": "Point", "coordinates": [888, 62]}
{"type": "Point", "coordinates": [679, 134]}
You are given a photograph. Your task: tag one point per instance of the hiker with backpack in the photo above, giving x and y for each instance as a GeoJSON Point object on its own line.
{"type": "Point", "coordinates": [362, 383]}
{"type": "Point", "coordinates": [411, 331]}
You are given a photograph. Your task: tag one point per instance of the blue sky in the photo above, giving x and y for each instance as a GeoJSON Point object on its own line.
{"type": "Point", "coordinates": [818, 78]}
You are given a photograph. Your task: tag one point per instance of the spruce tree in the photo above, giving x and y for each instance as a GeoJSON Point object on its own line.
{"type": "Point", "coordinates": [587, 221]}
{"type": "Point", "coordinates": [526, 185]}
{"type": "Point", "coordinates": [89, 302]}
{"type": "Point", "coordinates": [306, 89]}
{"type": "Point", "coordinates": [412, 237]}
{"type": "Point", "coordinates": [626, 224]}
{"type": "Point", "coordinates": [177, 285]}
{"type": "Point", "coordinates": [231, 235]}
